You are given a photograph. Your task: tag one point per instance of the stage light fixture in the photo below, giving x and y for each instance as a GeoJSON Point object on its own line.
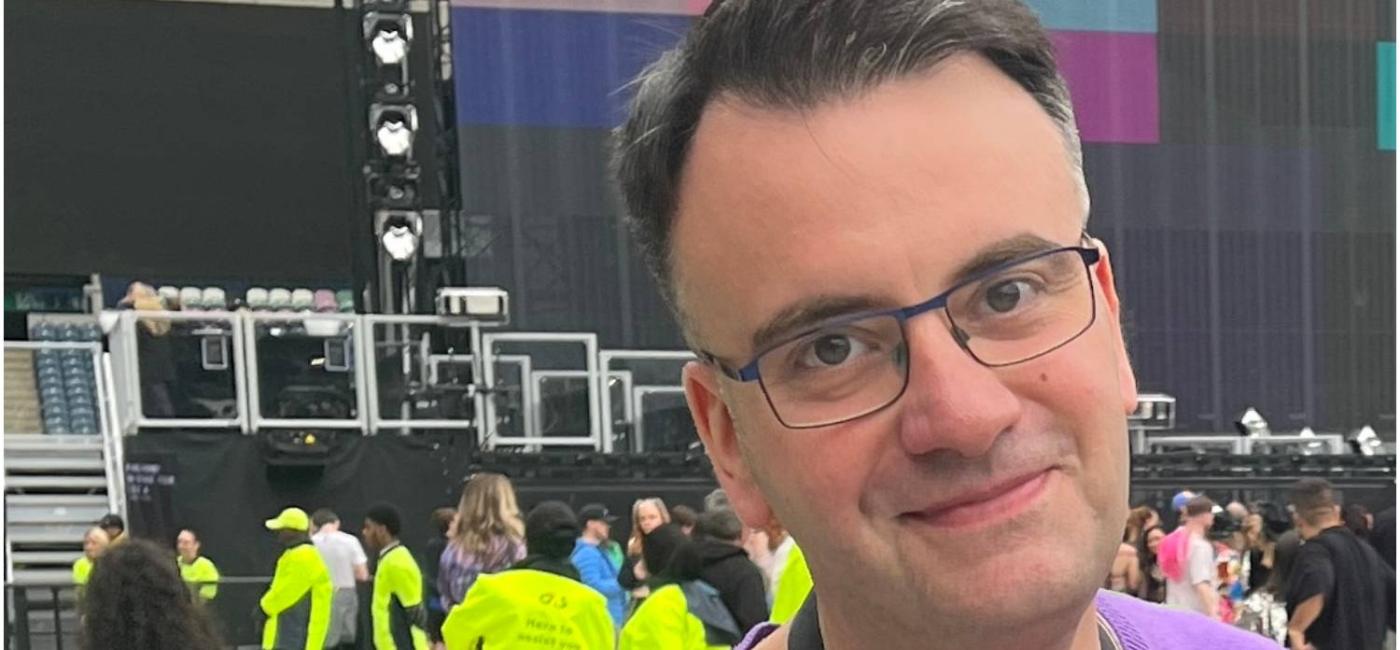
{"type": "Point", "coordinates": [393, 127]}
{"type": "Point", "coordinates": [1252, 424]}
{"type": "Point", "coordinates": [400, 234]}
{"type": "Point", "coordinates": [1365, 441]}
{"type": "Point", "coordinates": [1311, 447]}
{"type": "Point", "coordinates": [390, 38]}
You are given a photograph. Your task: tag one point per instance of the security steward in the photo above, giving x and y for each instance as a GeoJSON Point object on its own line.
{"type": "Point", "coordinates": [397, 608]}
{"type": "Point", "coordinates": [539, 603]}
{"type": "Point", "coordinates": [297, 604]}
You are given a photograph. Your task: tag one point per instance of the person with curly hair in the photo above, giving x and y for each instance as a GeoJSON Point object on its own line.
{"type": "Point", "coordinates": [136, 600]}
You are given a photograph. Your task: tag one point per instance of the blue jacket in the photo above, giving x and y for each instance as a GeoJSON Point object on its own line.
{"type": "Point", "coordinates": [596, 571]}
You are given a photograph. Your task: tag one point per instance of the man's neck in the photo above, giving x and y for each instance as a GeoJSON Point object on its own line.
{"type": "Point", "coordinates": [867, 629]}
{"type": "Point", "coordinates": [389, 546]}
{"type": "Point", "coordinates": [590, 540]}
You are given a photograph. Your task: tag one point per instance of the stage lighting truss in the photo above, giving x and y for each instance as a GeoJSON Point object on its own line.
{"type": "Point", "coordinates": [400, 232]}
{"type": "Point", "coordinates": [394, 126]}
{"type": "Point", "coordinates": [389, 38]}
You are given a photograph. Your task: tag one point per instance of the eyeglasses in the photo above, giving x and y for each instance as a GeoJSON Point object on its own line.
{"type": "Point", "coordinates": [852, 366]}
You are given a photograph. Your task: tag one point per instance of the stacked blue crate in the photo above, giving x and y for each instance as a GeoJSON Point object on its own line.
{"type": "Point", "coordinates": [66, 379]}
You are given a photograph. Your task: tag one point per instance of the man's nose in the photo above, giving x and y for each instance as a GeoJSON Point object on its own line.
{"type": "Point", "coordinates": [952, 402]}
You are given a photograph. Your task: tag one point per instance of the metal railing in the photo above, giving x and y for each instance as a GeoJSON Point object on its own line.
{"type": "Point", "coordinates": [359, 346]}
{"type": "Point", "coordinates": [47, 616]}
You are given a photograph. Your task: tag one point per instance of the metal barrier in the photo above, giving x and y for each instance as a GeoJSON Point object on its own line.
{"type": "Point", "coordinates": [487, 435]}
{"type": "Point", "coordinates": [640, 393]}
{"type": "Point", "coordinates": [1234, 444]}
{"type": "Point", "coordinates": [342, 340]}
{"type": "Point", "coordinates": [45, 616]}
{"type": "Point", "coordinates": [528, 397]}
{"type": "Point", "coordinates": [606, 358]}
{"type": "Point", "coordinates": [1334, 443]}
{"type": "Point", "coordinates": [407, 336]}
{"type": "Point", "coordinates": [222, 345]}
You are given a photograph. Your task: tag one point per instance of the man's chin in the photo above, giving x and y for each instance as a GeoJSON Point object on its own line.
{"type": "Point", "coordinates": [1016, 595]}
{"type": "Point", "coordinates": [1013, 580]}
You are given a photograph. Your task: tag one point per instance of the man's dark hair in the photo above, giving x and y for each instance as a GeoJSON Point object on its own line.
{"type": "Point", "coordinates": [386, 515]}
{"type": "Point", "coordinates": [683, 515]}
{"type": "Point", "coordinates": [323, 516]}
{"type": "Point", "coordinates": [441, 519]}
{"type": "Point", "coordinates": [1312, 499]}
{"type": "Point", "coordinates": [1199, 505]}
{"type": "Point", "coordinates": [112, 520]}
{"type": "Point", "coordinates": [799, 54]}
{"type": "Point", "coordinates": [1285, 553]}
{"type": "Point", "coordinates": [722, 525]}
{"type": "Point", "coordinates": [670, 556]}
{"type": "Point", "coordinates": [1354, 518]}
{"type": "Point", "coordinates": [136, 599]}
{"type": "Point", "coordinates": [551, 529]}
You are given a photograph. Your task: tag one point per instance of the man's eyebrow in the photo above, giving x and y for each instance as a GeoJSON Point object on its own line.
{"type": "Point", "coordinates": [808, 312]}
{"type": "Point", "coordinates": [1002, 252]}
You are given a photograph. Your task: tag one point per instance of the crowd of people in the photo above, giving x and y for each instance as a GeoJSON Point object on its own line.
{"type": "Point", "coordinates": [492, 576]}
{"type": "Point", "coordinates": [1312, 574]}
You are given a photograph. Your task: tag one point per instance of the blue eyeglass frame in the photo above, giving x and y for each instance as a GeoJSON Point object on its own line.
{"type": "Point", "coordinates": [749, 372]}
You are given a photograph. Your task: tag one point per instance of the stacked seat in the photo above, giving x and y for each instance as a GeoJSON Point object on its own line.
{"type": "Point", "coordinates": [66, 379]}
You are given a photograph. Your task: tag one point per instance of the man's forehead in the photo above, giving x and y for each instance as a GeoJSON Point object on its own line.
{"type": "Point", "coordinates": [777, 202]}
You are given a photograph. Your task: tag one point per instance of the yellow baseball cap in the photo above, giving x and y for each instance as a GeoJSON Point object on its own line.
{"type": "Point", "coordinates": [290, 519]}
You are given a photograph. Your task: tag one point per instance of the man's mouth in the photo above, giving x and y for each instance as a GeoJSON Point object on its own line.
{"type": "Point", "coordinates": [983, 506]}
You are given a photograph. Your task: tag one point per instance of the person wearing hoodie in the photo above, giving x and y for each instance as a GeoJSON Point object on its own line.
{"type": "Point", "coordinates": [539, 602]}
{"type": "Point", "coordinates": [1188, 561]}
{"type": "Point", "coordinates": [682, 612]}
{"type": "Point", "coordinates": [727, 567]}
{"type": "Point", "coordinates": [595, 567]}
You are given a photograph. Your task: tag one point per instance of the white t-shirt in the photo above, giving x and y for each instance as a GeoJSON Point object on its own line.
{"type": "Point", "coordinates": [778, 563]}
{"type": "Point", "coordinates": [341, 552]}
{"type": "Point", "coordinates": [1200, 567]}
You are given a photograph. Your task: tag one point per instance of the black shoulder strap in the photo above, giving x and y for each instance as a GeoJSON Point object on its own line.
{"type": "Point", "coordinates": [805, 632]}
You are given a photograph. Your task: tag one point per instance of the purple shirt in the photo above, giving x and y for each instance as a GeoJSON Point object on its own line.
{"type": "Point", "coordinates": [1139, 625]}
{"type": "Point", "coordinates": [458, 568]}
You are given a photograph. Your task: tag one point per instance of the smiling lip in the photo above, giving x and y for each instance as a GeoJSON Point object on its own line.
{"type": "Point", "coordinates": [1002, 501]}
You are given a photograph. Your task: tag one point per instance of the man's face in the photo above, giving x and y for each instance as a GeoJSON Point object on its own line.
{"type": "Point", "coordinates": [374, 534]}
{"type": "Point", "coordinates": [112, 531]}
{"type": "Point", "coordinates": [187, 545]}
{"type": "Point", "coordinates": [93, 545]}
{"type": "Point", "coordinates": [599, 529]}
{"type": "Point", "coordinates": [289, 536]}
{"type": "Point", "coordinates": [880, 201]}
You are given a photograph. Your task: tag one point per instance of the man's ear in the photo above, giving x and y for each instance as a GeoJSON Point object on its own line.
{"type": "Point", "coordinates": [1127, 381]}
{"type": "Point", "coordinates": [715, 424]}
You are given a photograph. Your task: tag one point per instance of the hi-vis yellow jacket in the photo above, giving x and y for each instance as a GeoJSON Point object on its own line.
{"type": "Point", "coordinates": [525, 609]}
